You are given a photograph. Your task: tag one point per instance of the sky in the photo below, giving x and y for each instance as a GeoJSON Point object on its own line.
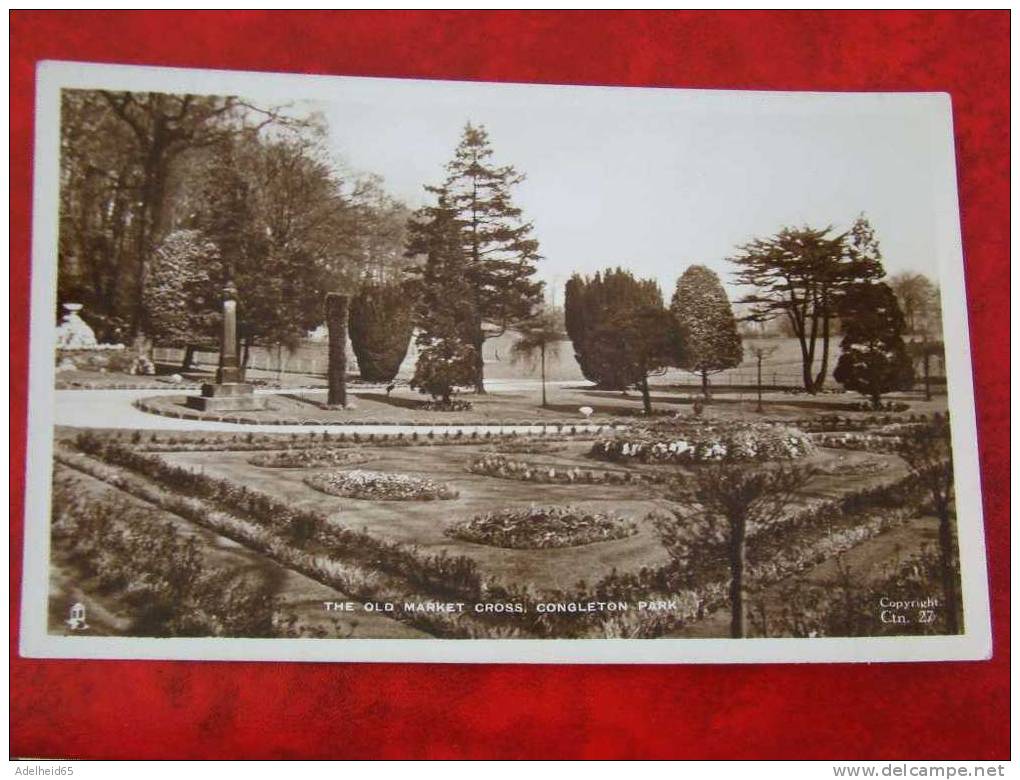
{"type": "Point", "coordinates": [657, 180]}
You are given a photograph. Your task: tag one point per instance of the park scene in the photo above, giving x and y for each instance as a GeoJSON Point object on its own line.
{"type": "Point", "coordinates": [292, 402]}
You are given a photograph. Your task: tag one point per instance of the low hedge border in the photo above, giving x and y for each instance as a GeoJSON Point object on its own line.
{"type": "Point", "coordinates": [146, 406]}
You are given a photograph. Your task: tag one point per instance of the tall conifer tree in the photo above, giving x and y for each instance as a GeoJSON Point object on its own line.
{"type": "Point", "coordinates": [497, 242]}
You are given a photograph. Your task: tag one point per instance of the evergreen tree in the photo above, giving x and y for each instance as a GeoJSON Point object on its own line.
{"type": "Point", "coordinates": [381, 325]}
{"type": "Point", "coordinates": [638, 342]}
{"type": "Point", "coordinates": [874, 359]}
{"type": "Point", "coordinates": [590, 303]}
{"type": "Point", "coordinates": [181, 293]}
{"type": "Point", "coordinates": [497, 242]}
{"type": "Point", "coordinates": [708, 330]}
{"type": "Point", "coordinates": [444, 314]}
{"type": "Point", "coordinates": [801, 274]}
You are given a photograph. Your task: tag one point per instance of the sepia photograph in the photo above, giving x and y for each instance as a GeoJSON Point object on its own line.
{"type": "Point", "coordinates": [451, 371]}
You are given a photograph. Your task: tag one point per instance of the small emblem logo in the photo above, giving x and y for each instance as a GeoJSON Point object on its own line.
{"type": "Point", "coordinates": [77, 619]}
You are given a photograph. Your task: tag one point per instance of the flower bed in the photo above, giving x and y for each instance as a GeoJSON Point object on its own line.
{"type": "Point", "coordinates": [526, 446]}
{"type": "Point", "coordinates": [536, 528]}
{"type": "Point", "coordinates": [454, 405]}
{"type": "Point", "coordinates": [866, 442]}
{"type": "Point", "coordinates": [311, 458]}
{"type": "Point", "coordinates": [380, 486]}
{"type": "Point", "coordinates": [840, 467]}
{"type": "Point", "coordinates": [505, 468]}
{"type": "Point", "coordinates": [716, 441]}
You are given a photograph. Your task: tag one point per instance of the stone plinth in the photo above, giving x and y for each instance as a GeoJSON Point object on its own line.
{"type": "Point", "coordinates": [226, 397]}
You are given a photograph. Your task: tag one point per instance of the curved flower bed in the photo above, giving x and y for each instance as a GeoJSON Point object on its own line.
{"type": "Point", "coordinates": [505, 468]}
{"type": "Point", "coordinates": [310, 458]}
{"type": "Point", "coordinates": [526, 447]}
{"type": "Point", "coordinates": [380, 486]}
{"type": "Point", "coordinates": [542, 527]}
{"type": "Point", "coordinates": [866, 442]}
{"type": "Point", "coordinates": [707, 442]}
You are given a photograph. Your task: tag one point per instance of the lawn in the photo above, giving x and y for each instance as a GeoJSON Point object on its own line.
{"type": "Point", "coordinates": [522, 404]}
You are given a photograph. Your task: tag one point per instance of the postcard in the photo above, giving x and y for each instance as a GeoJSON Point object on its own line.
{"type": "Point", "coordinates": [357, 369]}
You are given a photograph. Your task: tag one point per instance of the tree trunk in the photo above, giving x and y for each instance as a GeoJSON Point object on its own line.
{"type": "Point", "coordinates": [646, 398]}
{"type": "Point", "coordinates": [189, 357]}
{"type": "Point", "coordinates": [760, 407]}
{"type": "Point", "coordinates": [948, 570]}
{"type": "Point", "coordinates": [738, 528]}
{"type": "Point", "coordinates": [876, 401]}
{"type": "Point", "coordinates": [704, 386]}
{"type": "Point", "coordinates": [479, 362]}
{"type": "Point", "coordinates": [823, 370]}
{"type": "Point", "coordinates": [542, 358]}
{"type": "Point", "coordinates": [336, 322]}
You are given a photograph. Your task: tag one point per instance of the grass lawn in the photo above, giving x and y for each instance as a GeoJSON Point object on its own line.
{"type": "Point", "coordinates": [522, 404]}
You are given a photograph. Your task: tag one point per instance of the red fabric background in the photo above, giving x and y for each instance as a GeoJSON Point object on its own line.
{"type": "Point", "coordinates": [149, 710]}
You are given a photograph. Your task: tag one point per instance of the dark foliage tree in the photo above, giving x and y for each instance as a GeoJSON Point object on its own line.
{"type": "Point", "coordinates": [928, 451]}
{"type": "Point", "coordinates": [638, 342]}
{"type": "Point", "coordinates": [590, 303]}
{"type": "Point", "coordinates": [708, 329]}
{"type": "Point", "coordinates": [874, 359]}
{"type": "Point", "coordinates": [182, 291]}
{"type": "Point", "coordinates": [539, 336]}
{"type": "Point", "coordinates": [498, 244]}
{"type": "Point", "coordinates": [732, 503]}
{"type": "Point", "coordinates": [159, 129]}
{"type": "Point", "coordinates": [381, 325]}
{"type": "Point", "coordinates": [444, 314]}
{"type": "Point", "coordinates": [801, 274]}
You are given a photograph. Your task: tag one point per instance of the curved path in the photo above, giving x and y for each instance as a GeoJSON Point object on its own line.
{"type": "Point", "coordinates": [114, 409]}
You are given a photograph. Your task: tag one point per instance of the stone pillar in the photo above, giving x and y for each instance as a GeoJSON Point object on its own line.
{"type": "Point", "coordinates": [228, 370]}
{"type": "Point", "coordinates": [336, 322]}
{"type": "Point", "coordinates": [229, 392]}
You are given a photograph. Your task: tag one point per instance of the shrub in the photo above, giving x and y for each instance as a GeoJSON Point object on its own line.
{"type": "Point", "coordinates": [380, 486]}
{"type": "Point", "coordinates": [536, 528]}
{"type": "Point", "coordinates": [381, 323]}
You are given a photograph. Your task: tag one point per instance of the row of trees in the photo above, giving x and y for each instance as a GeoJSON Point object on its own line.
{"type": "Point", "coordinates": [166, 197]}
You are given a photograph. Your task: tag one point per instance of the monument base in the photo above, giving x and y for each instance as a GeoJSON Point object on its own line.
{"type": "Point", "coordinates": [226, 397]}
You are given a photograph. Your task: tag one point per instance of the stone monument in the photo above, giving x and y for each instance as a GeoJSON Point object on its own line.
{"type": "Point", "coordinates": [337, 306]}
{"type": "Point", "coordinates": [230, 393]}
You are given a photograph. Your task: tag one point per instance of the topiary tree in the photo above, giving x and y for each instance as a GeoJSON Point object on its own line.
{"type": "Point", "coordinates": [381, 325]}
{"type": "Point", "coordinates": [590, 303]}
{"type": "Point", "coordinates": [731, 504]}
{"type": "Point", "coordinates": [181, 294]}
{"type": "Point", "coordinates": [874, 359]}
{"type": "Point", "coordinates": [707, 326]}
{"type": "Point", "coordinates": [638, 343]}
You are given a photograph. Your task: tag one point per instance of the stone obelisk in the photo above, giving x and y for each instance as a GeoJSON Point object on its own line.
{"type": "Point", "coordinates": [230, 392]}
{"type": "Point", "coordinates": [337, 306]}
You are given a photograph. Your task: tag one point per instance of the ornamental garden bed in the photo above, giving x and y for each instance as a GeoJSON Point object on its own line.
{"type": "Point", "coordinates": [536, 528]}
{"type": "Point", "coordinates": [503, 467]}
{"type": "Point", "coordinates": [380, 486]}
{"type": "Point", "coordinates": [311, 458]}
{"type": "Point", "coordinates": [526, 446]}
{"type": "Point", "coordinates": [681, 441]}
